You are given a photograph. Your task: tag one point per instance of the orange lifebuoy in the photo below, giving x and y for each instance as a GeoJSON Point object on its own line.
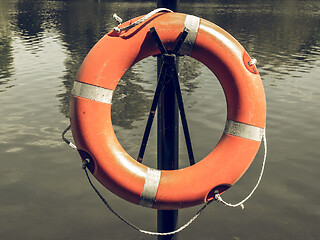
{"type": "Point", "coordinates": [90, 113]}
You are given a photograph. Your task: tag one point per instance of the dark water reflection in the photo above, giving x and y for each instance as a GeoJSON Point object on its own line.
{"type": "Point", "coordinates": [5, 45]}
{"type": "Point", "coordinates": [43, 195]}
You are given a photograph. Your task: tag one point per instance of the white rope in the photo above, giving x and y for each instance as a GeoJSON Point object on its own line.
{"type": "Point", "coordinates": [179, 229]}
{"type": "Point", "coordinates": [218, 196]}
{"type": "Point", "coordinates": [146, 17]}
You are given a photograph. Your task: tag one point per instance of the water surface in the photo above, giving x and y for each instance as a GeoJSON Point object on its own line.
{"type": "Point", "coordinates": [43, 191]}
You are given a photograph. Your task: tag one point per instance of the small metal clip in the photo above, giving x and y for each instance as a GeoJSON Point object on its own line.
{"type": "Point", "coordinates": [117, 18]}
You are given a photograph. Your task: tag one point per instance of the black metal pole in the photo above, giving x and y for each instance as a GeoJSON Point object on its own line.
{"type": "Point", "coordinates": [168, 136]}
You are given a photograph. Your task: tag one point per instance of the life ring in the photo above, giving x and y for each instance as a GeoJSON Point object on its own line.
{"type": "Point", "coordinates": [113, 167]}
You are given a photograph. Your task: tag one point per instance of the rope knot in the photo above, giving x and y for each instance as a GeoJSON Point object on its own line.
{"type": "Point", "coordinates": [218, 197]}
{"type": "Point", "coordinates": [253, 62]}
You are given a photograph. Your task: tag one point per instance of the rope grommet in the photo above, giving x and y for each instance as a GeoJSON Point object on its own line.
{"type": "Point", "coordinates": [116, 29]}
{"type": "Point", "coordinates": [85, 163]}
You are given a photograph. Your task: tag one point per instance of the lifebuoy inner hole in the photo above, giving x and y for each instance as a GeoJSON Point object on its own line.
{"type": "Point", "coordinates": [206, 112]}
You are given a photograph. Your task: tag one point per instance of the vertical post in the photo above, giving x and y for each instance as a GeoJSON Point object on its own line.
{"type": "Point", "coordinates": [168, 136]}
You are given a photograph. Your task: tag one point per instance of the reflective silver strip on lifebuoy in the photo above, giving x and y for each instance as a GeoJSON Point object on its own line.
{"type": "Point", "coordinates": [149, 192]}
{"type": "Point", "coordinates": [243, 130]}
{"type": "Point", "coordinates": [191, 24]}
{"type": "Point", "coordinates": [92, 92]}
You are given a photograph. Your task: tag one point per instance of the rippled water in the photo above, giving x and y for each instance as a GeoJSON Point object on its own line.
{"type": "Point", "coordinates": [43, 191]}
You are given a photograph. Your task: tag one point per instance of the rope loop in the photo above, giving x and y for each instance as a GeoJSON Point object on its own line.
{"type": "Point", "coordinates": [217, 194]}
{"type": "Point", "coordinates": [217, 197]}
